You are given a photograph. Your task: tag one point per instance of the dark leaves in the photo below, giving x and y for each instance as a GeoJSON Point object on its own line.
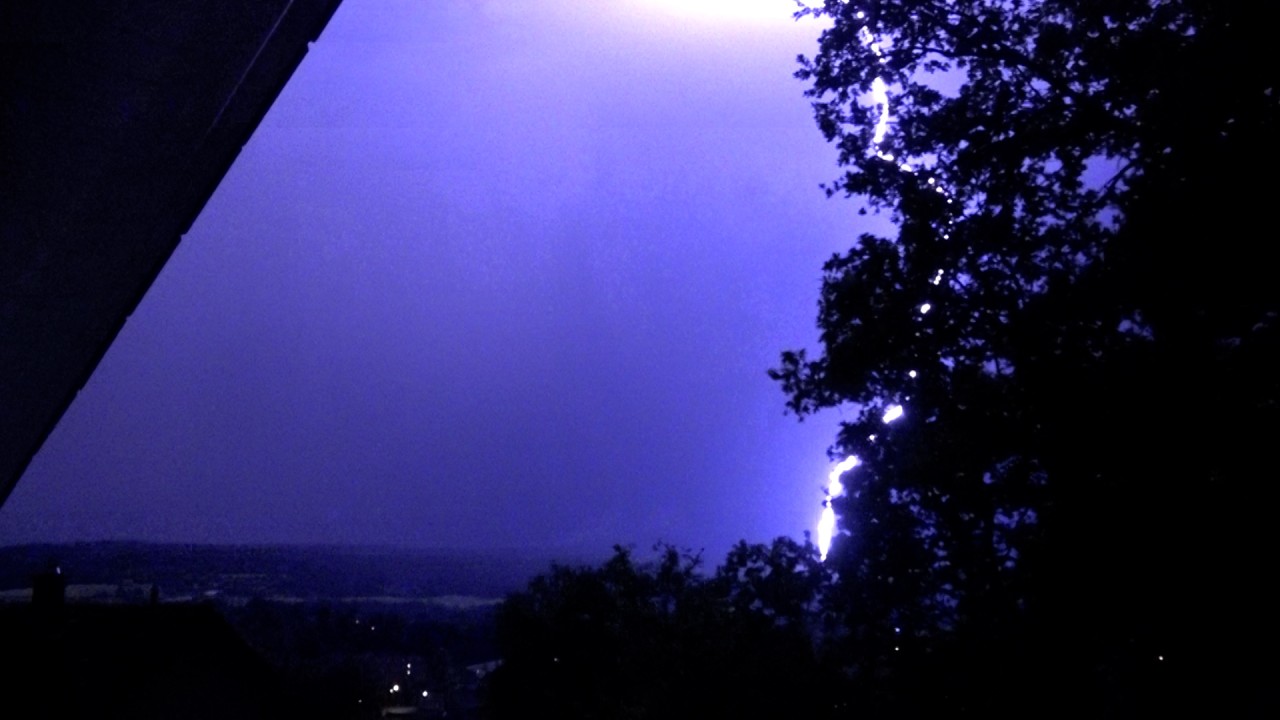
{"type": "Point", "coordinates": [1081, 218]}
{"type": "Point", "coordinates": [662, 639]}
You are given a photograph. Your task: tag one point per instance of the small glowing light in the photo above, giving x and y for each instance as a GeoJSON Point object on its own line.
{"type": "Point", "coordinates": [895, 648]}
{"type": "Point", "coordinates": [860, 15]}
{"type": "Point", "coordinates": [932, 181]}
{"type": "Point", "coordinates": [938, 278]}
{"type": "Point", "coordinates": [893, 413]}
{"type": "Point", "coordinates": [911, 374]}
{"type": "Point", "coordinates": [1160, 658]}
{"type": "Point", "coordinates": [925, 308]}
{"type": "Point", "coordinates": [424, 693]}
{"type": "Point", "coordinates": [871, 437]}
{"type": "Point", "coordinates": [395, 688]}
{"type": "Point", "coordinates": [897, 630]}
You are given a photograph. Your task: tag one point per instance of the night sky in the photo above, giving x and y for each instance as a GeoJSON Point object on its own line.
{"type": "Point", "coordinates": [489, 274]}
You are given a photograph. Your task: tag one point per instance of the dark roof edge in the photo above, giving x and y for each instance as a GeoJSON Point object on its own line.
{"type": "Point", "coordinates": [282, 50]}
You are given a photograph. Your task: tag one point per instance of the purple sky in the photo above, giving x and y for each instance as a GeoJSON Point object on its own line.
{"type": "Point", "coordinates": [489, 274]}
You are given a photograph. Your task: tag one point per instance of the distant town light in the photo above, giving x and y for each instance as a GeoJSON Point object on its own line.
{"type": "Point", "coordinates": [424, 693]}
{"type": "Point", "coordinates": [925, 308]}
{"type": "Point", "coordinates": [395, 688]}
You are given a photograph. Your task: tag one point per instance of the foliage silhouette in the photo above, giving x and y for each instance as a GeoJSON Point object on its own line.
{"type": "Point", "coordinates": [637, 640]}
{"type": "Point", "coordinates": [1091, 393]}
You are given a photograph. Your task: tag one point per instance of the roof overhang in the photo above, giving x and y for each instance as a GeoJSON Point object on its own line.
{"type": "Point", "coordinates": [118, 119]}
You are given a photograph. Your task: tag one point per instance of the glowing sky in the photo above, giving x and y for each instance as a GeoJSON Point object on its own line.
{"type": "Point", "coordinates": [489, 274]}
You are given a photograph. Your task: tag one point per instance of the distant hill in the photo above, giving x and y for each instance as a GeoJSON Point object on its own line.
{"type": "Point", "coordinates": [301, 572]}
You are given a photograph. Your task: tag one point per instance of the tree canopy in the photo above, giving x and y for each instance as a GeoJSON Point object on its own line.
{"type": "Point", "coordinates": [1078, 316]}
{"type": "Point", "coordinates": [664, 639]}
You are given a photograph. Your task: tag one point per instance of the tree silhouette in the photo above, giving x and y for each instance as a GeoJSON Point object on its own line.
{"type": "Point", "coordinates": [1078, 316]}
{"type": "Point", "coordinates": [662, 639]}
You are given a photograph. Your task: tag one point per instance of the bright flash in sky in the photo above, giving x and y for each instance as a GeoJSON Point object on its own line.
{"type": "Point", "coordinates": [827, 525]}
{"type": "Point", "coordinates": [880, 96]}
{"type": "Point", "coordinates": [721, 10]}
